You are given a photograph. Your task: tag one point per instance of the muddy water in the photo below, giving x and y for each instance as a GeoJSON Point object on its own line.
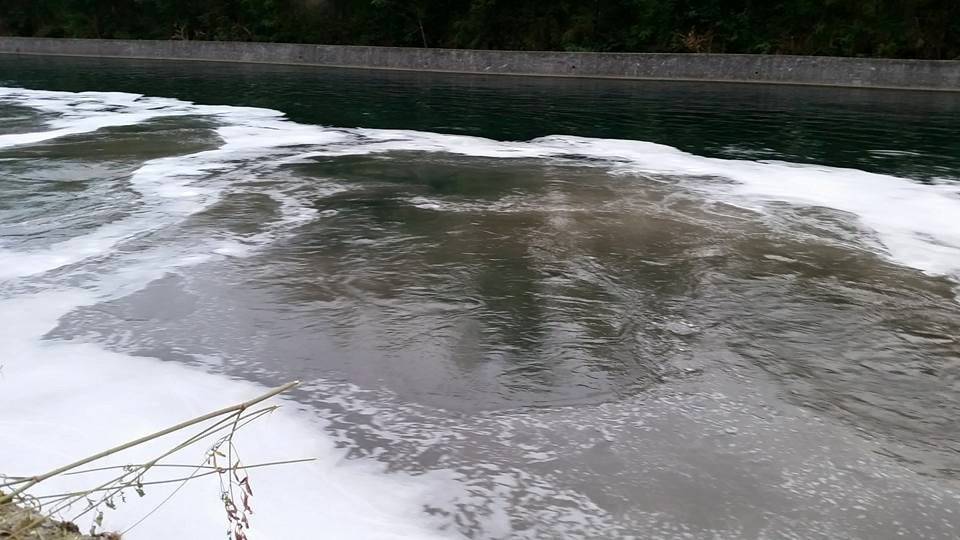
{"type": "Point", "coordinates": [595, 309]}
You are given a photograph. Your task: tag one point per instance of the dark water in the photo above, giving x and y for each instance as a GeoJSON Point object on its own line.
{"type": "Point", "coordinates": [597, 345]}
{"type": "Point", "coordinates": [914, 134]}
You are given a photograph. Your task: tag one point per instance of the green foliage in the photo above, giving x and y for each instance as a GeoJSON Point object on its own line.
{"type": "Point", "coordinates": [893, 28]}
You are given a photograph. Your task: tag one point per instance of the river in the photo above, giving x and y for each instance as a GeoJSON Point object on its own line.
{"type": "Point", "coordinates": [520, 307]}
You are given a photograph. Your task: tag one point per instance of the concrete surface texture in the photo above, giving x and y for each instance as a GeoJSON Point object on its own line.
{"type": "Point", "coordinates": [810, 70]}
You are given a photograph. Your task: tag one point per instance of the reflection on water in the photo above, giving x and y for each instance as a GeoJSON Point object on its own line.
{"type": "Point", "coordinates": [590, 351]}
{"type": "Point", "coordinates": [910, 134]}
{"type": "Point", "coordinates": [473, 284]}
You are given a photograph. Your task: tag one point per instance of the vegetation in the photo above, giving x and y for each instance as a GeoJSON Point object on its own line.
{"type": "Point", "coordinates": [35, 526]}
{"type": "Point", "coordinates": [890, 28]}
{"type": "Point", "coordinates": [28, 515]}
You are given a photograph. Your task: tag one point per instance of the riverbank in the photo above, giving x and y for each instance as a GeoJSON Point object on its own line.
{"type": "Point", "coordinates": [940, 75]}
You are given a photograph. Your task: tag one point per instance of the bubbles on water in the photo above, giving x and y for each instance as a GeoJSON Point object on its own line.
{"type": "Point", "coordinates": [672, 286]}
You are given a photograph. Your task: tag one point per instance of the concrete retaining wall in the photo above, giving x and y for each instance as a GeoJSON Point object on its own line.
{"type": "Point", "coordinates": [809, 70]}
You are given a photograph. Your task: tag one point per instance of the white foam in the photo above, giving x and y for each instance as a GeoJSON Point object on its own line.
{"type": "Point", "coordinates": [84, 112]}
{"type": "Point", "coordinates": [916, 223]}
{"type": "Point", "coordinates": [172, 187]}
{"type": "Point", "coordinates": [65, 400]}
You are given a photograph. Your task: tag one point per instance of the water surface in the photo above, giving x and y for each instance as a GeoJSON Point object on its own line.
{"type": "Point", "coordinates": [598, 309]}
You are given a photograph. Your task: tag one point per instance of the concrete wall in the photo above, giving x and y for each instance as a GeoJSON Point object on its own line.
{"type": "Point", "coordinates": [811, 70]}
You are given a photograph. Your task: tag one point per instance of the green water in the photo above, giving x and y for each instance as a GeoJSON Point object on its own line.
{"type": "Point", "coordinates": [912, 134]}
